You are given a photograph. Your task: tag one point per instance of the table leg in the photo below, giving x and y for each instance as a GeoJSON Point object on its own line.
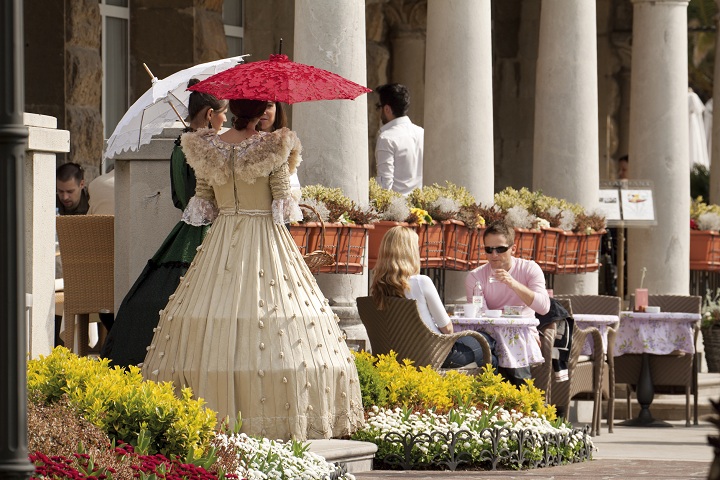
{"type": "Point", "coordinates": [645, 395]}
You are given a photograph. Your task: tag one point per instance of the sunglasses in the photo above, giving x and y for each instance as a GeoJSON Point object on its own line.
{"type": "Point", "coordinates": [378, 105]}
{"type": "Point", "coordinates": [501, 249]}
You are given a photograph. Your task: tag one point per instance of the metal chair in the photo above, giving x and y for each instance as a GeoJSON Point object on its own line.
{"type": "Point", "coordinates": [398, 327]}
{"type": "Point", "coordinates": [672, 372]}
{"type": "Point", "coordinates": [87, 249]}
{"type": "Point", "coordinates": [602, 305]}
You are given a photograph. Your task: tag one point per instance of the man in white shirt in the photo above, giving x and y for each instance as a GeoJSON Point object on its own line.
{"type": "Point", "coordinates": [399, 147]}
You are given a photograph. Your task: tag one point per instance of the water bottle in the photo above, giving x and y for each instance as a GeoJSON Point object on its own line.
{"type": "Point", "coordinates": [478, 299]}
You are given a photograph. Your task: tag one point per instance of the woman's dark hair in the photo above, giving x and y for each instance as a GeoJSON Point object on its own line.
{"type": "Point", "coordinates": [280, 117]}
{"type": "Point", "coordinates": [246, 110]}
{"type": "Point", "coordinates": [395, 95]}
{"type": "Point", "coordinates": [199, 101]}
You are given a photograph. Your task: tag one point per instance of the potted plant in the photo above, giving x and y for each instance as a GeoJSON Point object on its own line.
{"type": "Point", "coordinates": [346, 228]}
{"type": "Point", "coordinates": [704, 236]}
{"type": "Point", "coordinates": [710, 327]}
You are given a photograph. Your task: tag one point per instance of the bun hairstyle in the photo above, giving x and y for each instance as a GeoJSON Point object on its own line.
{"type": "Point", "coordinates": [245, 111]}
{"type": "Point", "coordinates": [200, 101]}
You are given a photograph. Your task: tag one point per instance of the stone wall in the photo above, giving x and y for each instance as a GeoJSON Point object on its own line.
{"type": "Point", "coordinates": [64, 73]}
{"type": "Point", "coordinates": [171, 36]}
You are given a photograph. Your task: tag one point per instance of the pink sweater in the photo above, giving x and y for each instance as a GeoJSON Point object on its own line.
{"type": "Point", "coordinates": [498, 295]}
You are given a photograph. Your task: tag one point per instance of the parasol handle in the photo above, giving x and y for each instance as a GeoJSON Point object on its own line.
{"type": "Point", "coordinates": [152, 77]}
{"type": "Point", "coordinates": [280, 47]}
{"type": "Point", "coordinates": [177, 113]}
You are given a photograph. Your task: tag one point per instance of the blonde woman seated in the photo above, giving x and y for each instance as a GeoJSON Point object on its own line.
{"type": "Point", "coordinates": [397, 274]}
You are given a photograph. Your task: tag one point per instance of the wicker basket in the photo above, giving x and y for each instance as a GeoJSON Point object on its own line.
{"type": "Point", "coordinates": [318, 258]}
{"type": "Point", "coordinates": [711, 340]}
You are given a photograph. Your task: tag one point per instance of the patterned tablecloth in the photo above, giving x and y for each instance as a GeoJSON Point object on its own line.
{"type": "Point", "coordinates": [601, 322]}
{"type": "Point", "coordinates": [657, 333]}
{"type": "Point", "coordinates": [516, 338]}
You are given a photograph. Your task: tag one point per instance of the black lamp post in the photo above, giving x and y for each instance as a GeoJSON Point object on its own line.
{"type": "Point", "coordinates": [14, 462]}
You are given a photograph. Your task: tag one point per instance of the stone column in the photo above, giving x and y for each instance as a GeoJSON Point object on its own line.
{"type": "Point", "coordinates": [659, 144]}
{"type": "Point", "coordinates": [44, 142]}
{"type": "Point", "coordinates": [330, 34]}
{"type": "Point", "coordinates": [715, 153]}
{"type": "Point", "coordinates": [144, 210]}
{"type": "Point", "coordinates": [459, 105]}
{"type": "Point", "coordinates": [565, 149]}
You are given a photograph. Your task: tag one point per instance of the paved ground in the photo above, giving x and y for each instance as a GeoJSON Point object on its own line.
{"type": "Point", "coordinates": [645, 453]}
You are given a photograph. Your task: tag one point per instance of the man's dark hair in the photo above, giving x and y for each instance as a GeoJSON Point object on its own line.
{"type": "Point", "coordinates": [624, 158]}
{"type": "Point", "coordinates": [395, 95]}
{"type": "Point", "coordinates": [66, 171]}
{"type": "Point", "coordinates": [500, 228]}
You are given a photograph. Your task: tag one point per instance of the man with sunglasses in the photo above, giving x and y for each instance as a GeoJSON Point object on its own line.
{"type": "Point", "coordinates": [505, 279]}
{"type": "Point", "coordinates": [509, 281]}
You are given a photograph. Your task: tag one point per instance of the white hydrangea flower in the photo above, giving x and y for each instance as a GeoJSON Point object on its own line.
{"type": "Point", "coordinates": [397, 210]}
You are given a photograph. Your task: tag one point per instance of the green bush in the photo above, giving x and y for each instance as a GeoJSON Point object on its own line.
{"type": "Point", "coordinates": [122, 404]}
{"type": "Point", "coordinates": [372, 386]}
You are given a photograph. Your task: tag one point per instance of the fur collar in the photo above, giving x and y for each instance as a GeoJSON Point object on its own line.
{"type": "Point", "coordinates": [212, 159]}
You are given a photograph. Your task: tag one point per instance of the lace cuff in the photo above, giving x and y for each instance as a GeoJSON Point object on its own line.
{"type": "Point", "coordinates": [199, 212]}
{"type": "Point", "coordinates": [286, 210]}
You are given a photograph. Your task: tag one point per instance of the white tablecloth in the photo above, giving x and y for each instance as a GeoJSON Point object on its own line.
{"type": "Point", "coordinates": [516, 338]}
{"type": "Point", "coordinates": [657, 333]}
{"type": "Point", "coordinates": [601, 322]}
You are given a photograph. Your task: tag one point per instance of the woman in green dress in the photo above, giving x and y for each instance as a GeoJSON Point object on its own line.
{"type": "Point", "coordinates": [137, 316]}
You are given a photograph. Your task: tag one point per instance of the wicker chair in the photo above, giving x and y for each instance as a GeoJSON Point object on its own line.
{"type": "Point", "coordinates": [87, 249]}
{"type": "Point", "coordinates": [669, 372]}
{"type": "Point", "coordinates": [584, 375]}
{"type": "Point", "coordinates": [602, 305]}
{"type": "Point", "coordinates": [542, 374]}
{"type": "Point", "coordinates": [398, 327]}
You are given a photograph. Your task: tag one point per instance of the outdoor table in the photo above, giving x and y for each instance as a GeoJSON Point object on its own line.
{"type": "Point", "coordinates": [516, 338]}
{"type": "Point", "coordinates": [648, 334]}
{"type": "Point", "coordinates": [601, 322]}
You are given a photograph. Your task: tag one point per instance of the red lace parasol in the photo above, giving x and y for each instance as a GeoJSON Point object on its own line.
{"type": "Point", "coordinates": [280, 80]}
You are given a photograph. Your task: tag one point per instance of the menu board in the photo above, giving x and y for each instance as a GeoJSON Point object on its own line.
{"type": "Point", "coordinates": [627, 203]}
{"type": "Point", "coordinates": [610, 203]}
{"type": "Point", "coordinates": [637, 204]}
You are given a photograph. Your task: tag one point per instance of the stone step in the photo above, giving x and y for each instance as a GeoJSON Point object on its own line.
{"type": "Point", "coordinates": [356, 456]}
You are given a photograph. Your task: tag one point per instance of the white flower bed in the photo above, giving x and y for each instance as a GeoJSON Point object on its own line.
{"type": "Point", "coordinates": [264, 459]}
{"type": "Point", "coordinates": [479, 423]}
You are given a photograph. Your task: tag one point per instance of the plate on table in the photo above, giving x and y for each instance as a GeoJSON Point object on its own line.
{"type": "Point", "coordinates": [512, 316]}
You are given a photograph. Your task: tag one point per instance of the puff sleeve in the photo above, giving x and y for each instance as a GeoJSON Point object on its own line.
{"type": "Point", "coordinates": [284, 206]}
{"type": "Point", "coordinates": [202, 208]}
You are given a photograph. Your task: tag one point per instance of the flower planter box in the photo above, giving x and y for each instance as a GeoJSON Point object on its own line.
{"type": "Point", "coordinates": [347, 244]}
{"type": "Point", "coordinates": [525, 242]}
{"type": "Point", "coordinates": [546, 252]}
{"type": "Point", "coordinates": [578, 252]}
{"type": "Point", "coordinates": [568, 253]}
{"type": "Point", "coordinates": [589, 251]}
{"type": "Point", "coordinates": [458, 238]}
{"type": "Point", "coordinates": [305, 236]}
{"type": "Point", "coordinates": [477, 256]}
{"type": "Point", "coordinates": [704, 250]}
{"type": "Point", "coordinates": [376, 235]}
{"type": "Point", "coordinates": [432, 245]}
